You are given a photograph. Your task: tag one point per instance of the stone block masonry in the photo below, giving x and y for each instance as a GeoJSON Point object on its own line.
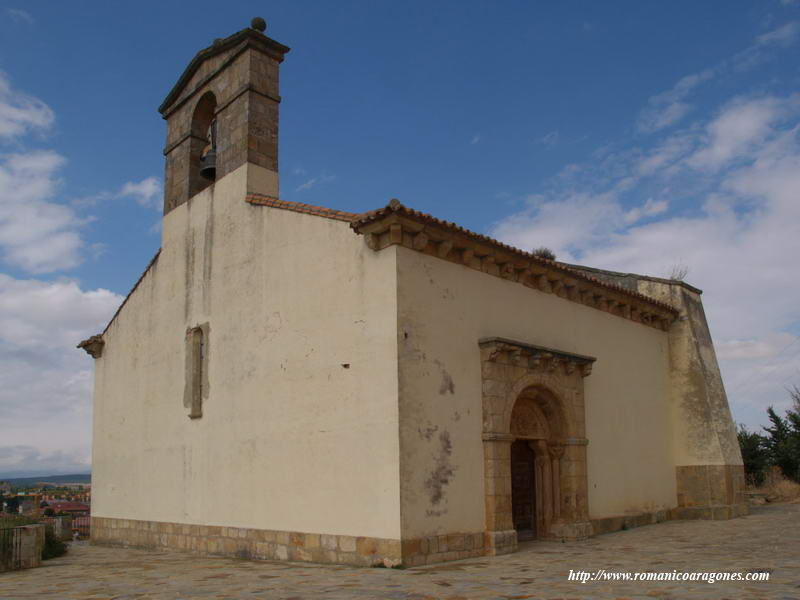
{"type": "Point", "coordinates": [23, 547]}
{"type": "Point", "coordinates": [285, 545]}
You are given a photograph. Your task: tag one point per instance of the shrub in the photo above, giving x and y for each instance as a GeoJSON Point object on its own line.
{"type": "Point", "coordinates": [544, 252]}
{"type": "Point", "coordinates": [754, 455]}
{"type": "Point", "coordinates": [53, 546]}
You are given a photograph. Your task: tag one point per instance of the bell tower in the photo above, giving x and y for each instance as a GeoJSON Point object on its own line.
{"type": "Point", "coordinates": [222, 114]}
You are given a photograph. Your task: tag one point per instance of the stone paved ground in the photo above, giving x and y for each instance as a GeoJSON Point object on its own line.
{"type": "Point", "coordinates": [768, 539]}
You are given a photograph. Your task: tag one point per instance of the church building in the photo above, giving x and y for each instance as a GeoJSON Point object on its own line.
{"type": "Point", "coordinates": [293, 382]}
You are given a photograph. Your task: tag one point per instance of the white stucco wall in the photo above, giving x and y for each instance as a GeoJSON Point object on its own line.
{"type": "Point", "coordinates": [289, 438]}
{"type": "Point", "coordinates": [444, 309]}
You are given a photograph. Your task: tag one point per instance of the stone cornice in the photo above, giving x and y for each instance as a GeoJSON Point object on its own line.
{"type": "Point", "coordinates": [396, 224]}
{"type": "Point", "coordinates": [93, 346]}
{"type": "Point", "coordinates": [300, 207]}
{"type": "Point", "coordinates": [246, 37]}
{"type": "Point", "coordinates": [536, 357]}
{"type": "Point", "coordinates": [633, 277]}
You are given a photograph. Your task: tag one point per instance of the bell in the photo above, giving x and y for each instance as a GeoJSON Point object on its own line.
{"type": "Point", "coordinates": [208, 158]}
{"type": "Point", "coordinates": [208, 165]}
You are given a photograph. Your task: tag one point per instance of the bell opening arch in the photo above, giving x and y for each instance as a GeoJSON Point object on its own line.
{"type": "Point", "coordinates": [203, 149]}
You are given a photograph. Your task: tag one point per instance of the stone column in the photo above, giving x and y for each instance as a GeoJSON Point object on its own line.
{"type": "Point", "coordinates": [574, 523]}
{"type": "Point", "coordinates": [545, 470]}
{"type": "Point", "coordinates": [556, 452]}
{"type": "Point", "coordinates": [501, 538]}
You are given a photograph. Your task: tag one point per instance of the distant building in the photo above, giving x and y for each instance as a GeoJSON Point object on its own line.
{"type": "Point", "coordinates": [29, 503]}
{"type": "Point", "coordinates": [72, 508]}
{"type": "Point", "coordinates": [289, 381]}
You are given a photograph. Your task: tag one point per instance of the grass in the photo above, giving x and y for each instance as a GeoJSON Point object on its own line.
{"type": "Point", "coordinates": [777, 488]}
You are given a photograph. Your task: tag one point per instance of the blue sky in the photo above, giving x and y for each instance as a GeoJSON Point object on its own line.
{"type": "Point", "coordinates": [636, 136]}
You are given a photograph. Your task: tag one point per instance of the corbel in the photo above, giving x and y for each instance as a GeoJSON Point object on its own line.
{"type": "Point", "coordinates": [467, 254]}
{"type": "Point", "coordinates": [544, 284]}
{"type": "Point", "coordinates": [395, 233]}
{"type": "Point", "coordinates": [93, 346]}
{"type": "Point", "coordinates": [572, 292]}
{"type": "Point", "coordinates": [420, 241]}
{"type": "Point", "coordinates": [508, 271]}
{"type": "Point", "coordinates": [443, 248]}
{"type": "Point", "coordinates": [515, 355]}
{"type": "Point", "coordinates": [372, 240]}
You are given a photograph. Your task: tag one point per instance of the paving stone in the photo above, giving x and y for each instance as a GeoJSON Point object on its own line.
{"type": "Point", "coordinates": [768, 539]}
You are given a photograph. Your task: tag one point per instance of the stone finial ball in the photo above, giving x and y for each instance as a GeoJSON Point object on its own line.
{"type": "Point", "coordinates": [258, 24]}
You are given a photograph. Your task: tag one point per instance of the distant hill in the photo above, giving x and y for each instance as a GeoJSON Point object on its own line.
{"type": "Point", "coordinates": [57, 479]}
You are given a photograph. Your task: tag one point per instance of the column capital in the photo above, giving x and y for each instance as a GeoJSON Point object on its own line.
{"type": "Point", "coordinates": [498, 437]}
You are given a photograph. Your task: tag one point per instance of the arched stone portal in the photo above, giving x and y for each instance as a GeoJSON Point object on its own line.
{"type": "Point", "coordinates": [533, 398]}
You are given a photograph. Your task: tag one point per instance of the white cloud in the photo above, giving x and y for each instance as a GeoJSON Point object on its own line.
{"type": "Point", "coordinates": [307, 185]}
{"type": "Point", "coordinates": [667, 154]}
{"type": "Point", "coordinates": [36, 234]}
{"type": "Point", "coordinates": [667, 108]}
{"type": "Point", "coordinates": [741, 124]}
{"type": "Point", "coordinates": [475, 139]}
{"type": "Point", "coordinates": [314, 181]}
{"type": "Point", "coordinates": [24, 461]}
{"type": "Point", "coordinates": [651, 208]}
{"type": "Point", "coordinates": [20, 113]}
{"type": "Point", "coordinates": [766, 347]}
{"type": "Point", "coordinates": [784, 35]}
{"type": "Point", "coordinates": [740, 239]}
{"type": "Point", "coordinates": [550, 139]}
{"type": "Point", "coordinates": [46, 383]}
{"type": "Point", "coordinates": [19, 16]}
{"type": "Point", "coordinates": [568, 225]}
{"type": "Point", "coordinates": [146, 192]}
{"type": "Point", "coordinates": [780, 37]}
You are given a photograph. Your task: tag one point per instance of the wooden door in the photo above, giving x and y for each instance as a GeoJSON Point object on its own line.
{"type": "Point", "coordinates": [523, 490]}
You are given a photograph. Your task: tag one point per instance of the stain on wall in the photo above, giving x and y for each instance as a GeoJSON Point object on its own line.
{"type": "Point", "coordinates": [443, 470]}
{"type": "Point", "coordinates": [447, 384]}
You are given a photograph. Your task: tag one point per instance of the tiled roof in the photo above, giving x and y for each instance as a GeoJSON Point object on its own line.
{"type": "Point", "coordinates": [396, 207]}
{"type": "Point", "coordinates": [309, 209]}
{"type": "Point", "coordinates": [67, 505]}
{"type": "Point", "coordinates": [358, 220]}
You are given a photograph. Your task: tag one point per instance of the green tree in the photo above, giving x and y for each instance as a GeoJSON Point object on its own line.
{"type": "Point", "coordinates": [783, 441]}
{"type": "Point", "coordinates": [754, 454]}
{"type": "Point", "coordinates": [12, 504]}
